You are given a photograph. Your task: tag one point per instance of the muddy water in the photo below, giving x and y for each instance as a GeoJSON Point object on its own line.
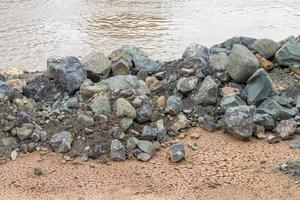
{"type": "Point", "coordinates": [33, 30]}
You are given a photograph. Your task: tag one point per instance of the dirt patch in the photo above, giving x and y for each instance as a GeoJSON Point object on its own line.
{"type": "Point", "coordinates": [221, 168]}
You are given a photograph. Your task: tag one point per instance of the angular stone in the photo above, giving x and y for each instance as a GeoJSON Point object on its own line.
{"type": "Point", "coordinates": [61, 142]}
{"type": "Point", "coordinates": [124, 109]}
{"type": "Point", "coordinates": [179, 123]}
{"type": "Point", "coordinates": [24, 132]}
{"type": "Point", "coordinates": [229, 91]}
{"type": "Point", "coordinates": [230, 101]}
{"type": "Point", "coordinates": [144, 157]}
{"type": "Point", "coordinates": [296, 69]}
{"type": "Point", "coordinates": [149, 133]}
{"type": "Point", "coordinates": [266, 47]}
{"type": "Point", "coordinates": [146, 147]}
{"type": "Point", "coordinates": [295, 144]}
{"type": "Point", "coordinates": [68, 71]}
{"type": "Point", "coordinates": [264, 120]}
{"type": "Point", "coordinates": [241, 63]}
{"type": "Point", "coordinates": [277, 111]}
{"type": "Point", "coordinates": [174, 105]}
{"type": "Point", "coordinates": [96, 151]}
{"type": "Point", "coordinates": [85, 121]}
{"type": "Point", "coordinates": [259, 87]}
{"type": "Point", "coordinates": [207, 122]}
{"type": "Point", "coordinates": [88, 89]}
{"type": "Point", "coordinates": [126, 123]}
{"type": "Point", "coordinates": [196, 50]}
{"type": "Point", "coordinates": [238, 122]}
{"type": "Point", "coordinates": [246, 41]}
{"type": "Point", "coordinates": [117, 150]}
{"type": "Point", "coordinates": [289, 54]}
{"type": "Point", "coordinates": [286, 128]}
{"type": "Point", "coordinates": [207, 93]}
{"type": "Point", "coordinates": [101, 105]}
{"type": "Point", "coordinates": [121, 67]}
{"type": "Point", "coordinates": [154, 85]}
{"type": "Point", "coordinates": [264, 63]}
{"type": "Point", "coordinates": [144, 111]}
{"type": "Point", "coordinates": [97, 66]}
{"type": "Point", "coordinates": [187, 84]}
{"type": "Point", "coordinates": [218, 61]}
{"type": "Point", "coordinates": [177, 152]}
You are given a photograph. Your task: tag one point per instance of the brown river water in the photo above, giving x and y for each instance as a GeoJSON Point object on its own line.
{"type": "Point", "coordinates": [33, 30]}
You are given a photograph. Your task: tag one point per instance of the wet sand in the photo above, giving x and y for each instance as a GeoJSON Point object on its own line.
{"type": "Point", "coordinates": [221, 168]}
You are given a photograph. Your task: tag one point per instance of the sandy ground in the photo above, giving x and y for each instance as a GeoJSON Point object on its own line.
{"type": "Point", "coordinates": [222, 168]}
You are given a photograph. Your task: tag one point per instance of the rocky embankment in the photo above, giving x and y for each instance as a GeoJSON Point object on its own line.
{"type": "Point", "coordinates": [128, 106]}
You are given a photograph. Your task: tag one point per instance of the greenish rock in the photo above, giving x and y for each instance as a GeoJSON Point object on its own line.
{"type": "Point", "coordinates": [259, 87]}
{"type": "Point", "coordinates": [218, 61]}
{"type": "Point", "coordinates": [88, 89]}
{"type": "Point", "coordinates": [186, 84]}
{"type": "Point", "coordinates": [85, 121]}
{"type": "Point", "coordinates": [174, 105]}
{"type": "Point", "coordinates": [264, 120]}
{"type": "Point", "coordinates": [241, 63]}
{"type": "Point", "coordinates": [277, 111]}
{"type": "Point", "coordinates": [207, 93]}
{"type": "Point", "coordinates": [146, 146]}
{"type": "Point", "coordinates": [124, 82]}
{"type": "Point", "coordinates": [246, 41]}
{"type": "Point", "coordinates": [8, 141]}
{"type": "Point", "coordinates": [97, 65]}
{"type": "Point", "coordinates": [266, 47]}
{"type": "Point", "coordinates": [101, 105]}
{"type": "Point", "coordinates": [289, 54]}
{"type": "Point", "coordinates": [230, 101]}
{"type": "Point", "coordinates": [123, 108]}
{"type": "Point", "coordinates": [286, 102]}
{"type": "Point", "coordinates": [25, 131]}
{"type": "Point", "coordinates": [126, 123]}
{"type": "Point", "coordinates": [132, 143]}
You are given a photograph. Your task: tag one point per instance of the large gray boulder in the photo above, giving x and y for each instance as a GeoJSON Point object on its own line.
{"type": "Point", "coordinates": [259, 87]}
{"type": "Point", "coordinates": [266, 47]}
{"type": "Point", "coordinates": [207, 93]}
{"type": "Point", "coordinates": [241, 63]}
{"type": "Point", "coordinates": [277, 111]}
{"type": "Point", "coordinates": [238, 122]}
{"type": "Point", "coordinates": [61, 142]}
{"type": "Point", "coordinates": [289, 54]}
{"type": "Point", "coordinates": [69, 71]}
{"type": "Point", "coordinates": [97, 66]}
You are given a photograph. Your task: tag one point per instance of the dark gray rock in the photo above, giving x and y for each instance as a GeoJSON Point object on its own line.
{"type": "Point", "coordinates": [207, 93]}
{"type": "Point", "coordinates": [174, 105]}
{"type": "Point", "coordinates": [286, 128]}
{"type": "Point", "coordinates": [272, 139]}
{"type": "Point", "coordinates": [149, 133]}
{"type": "Point", "coordinates": [96, 151]}
{"type": "Point", "coordinates": [7, 92]}
{"type": "Point", "coordinates": [177, 152]}
{"type": "Point", "coordinates": [241, 63]}
{"type": "Point", "coordinates": [274, 109]}
{"type": "Point", "coordinates": [207, 122]}
{"type": "Point", "coordinates": [245, 41]}
{"type": "Point", "coordinates": [259, 87]}
{"type": "Point", "coordinates": [266, 47]}
{"type": "Point", "coordinates": [264, 120]}
{"type": "Point", "coordinates": [117, 150]}
{"type": "Point", "coordinates": [289, 54]}
{"type": "Point", "coordinates": [61, 142]}
{"type": "Point", "coordinates": [144, 110]}
{"type": "Point", "coordinates": [230, 101]}
{"type": "Point", "coordinates": [68, 71]}
{"type": "Point", "coordinates": [238, 122]}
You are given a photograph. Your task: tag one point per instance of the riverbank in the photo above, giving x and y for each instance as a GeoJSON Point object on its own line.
{"type": "Point", "coordinates": [215, 171]}
{"type": "Point", "coordinates": [127, 106]}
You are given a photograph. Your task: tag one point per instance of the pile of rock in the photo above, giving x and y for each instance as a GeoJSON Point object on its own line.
{"type": "Point", "coordinates": [126, 105]}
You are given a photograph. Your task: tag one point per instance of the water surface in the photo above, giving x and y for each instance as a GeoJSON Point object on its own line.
{"type": "Point", "coordinates": [33, 30]}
